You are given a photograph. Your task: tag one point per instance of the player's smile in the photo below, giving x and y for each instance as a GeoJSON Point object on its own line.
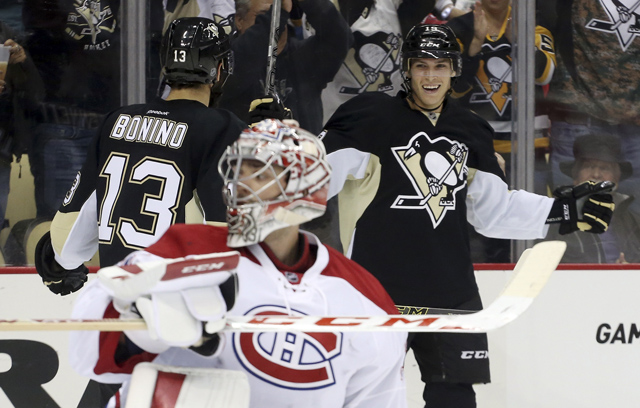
{"type": "Point", "coordinates": [430, 80]}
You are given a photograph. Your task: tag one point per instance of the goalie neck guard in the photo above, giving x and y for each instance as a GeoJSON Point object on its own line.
{"type": "Point", "coordinates": [294, 160]}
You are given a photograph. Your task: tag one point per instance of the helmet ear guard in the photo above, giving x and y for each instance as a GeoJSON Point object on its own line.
{"type": "Point", "coordinates": [302, 176]}
{"type": "Point", "coordinates": [193, 50]}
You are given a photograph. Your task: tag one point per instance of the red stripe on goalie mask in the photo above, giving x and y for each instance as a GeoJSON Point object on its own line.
{"type": "Point", "coordinates": [168, 386]}
{"type": "Point", "coordinates": [290, 360]}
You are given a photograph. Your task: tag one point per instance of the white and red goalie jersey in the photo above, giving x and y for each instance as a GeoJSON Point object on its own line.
{"type": "Point", "coordinates": [292, 369]}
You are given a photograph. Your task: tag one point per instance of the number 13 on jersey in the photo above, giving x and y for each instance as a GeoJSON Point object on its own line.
{"type": "Point", "coordinates": [124, 182]}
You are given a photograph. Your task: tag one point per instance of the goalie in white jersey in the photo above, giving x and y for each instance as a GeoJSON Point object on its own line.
{"type": "Point", "coordinates": [276, 177]}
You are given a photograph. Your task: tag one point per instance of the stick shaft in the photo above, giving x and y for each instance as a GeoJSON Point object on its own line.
{"type": "Point", "coordinates": [274, 36]}
{"type": "Point", "coordinates": [530, 275]}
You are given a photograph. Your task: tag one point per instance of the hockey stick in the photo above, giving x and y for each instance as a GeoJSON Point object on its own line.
{"type": "Point", "coordinates": [530, 275]}
{"type": "Point", "coordinates": [272, 52]}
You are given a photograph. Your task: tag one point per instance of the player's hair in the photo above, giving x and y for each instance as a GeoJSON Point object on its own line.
{"type": "Point", "coordinates": [303, 181]}
{"type": "Point", "coordinates": [195, 50]}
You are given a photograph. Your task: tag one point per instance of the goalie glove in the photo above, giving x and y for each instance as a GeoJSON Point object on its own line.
{"type": "Point", "coordinates": [268, 107]}
{"type": "Point", "coordinates": [177, 298]}
{"type": "Point", "coordinates": [59, 280]}
{"type": "Point", "coordinates": [585, 207]}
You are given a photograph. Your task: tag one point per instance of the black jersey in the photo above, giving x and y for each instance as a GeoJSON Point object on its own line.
{"type": "Point", "coordinates": [141, 171]}
{"type": "Point", "coordinates": [406, 195]}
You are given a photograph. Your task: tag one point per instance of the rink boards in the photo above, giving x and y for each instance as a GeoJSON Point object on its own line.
{"type": "Point", "coordinates": [577, 345]}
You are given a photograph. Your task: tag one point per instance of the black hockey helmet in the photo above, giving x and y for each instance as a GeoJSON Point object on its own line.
{"type": "Point", "coordinates": [432, 41]}
{"type": "Point", "coordinates": [192, 51]}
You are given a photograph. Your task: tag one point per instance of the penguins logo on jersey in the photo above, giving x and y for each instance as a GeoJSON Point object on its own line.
{"type": "Point", "coordinates": [91, 21]}
{"type": "Point", "coordinates": [299, 361]}
{"type": "Point", "coordinates": [372, 61]}
{"type": "Point", "coordinates": [623, 20]}
{"type": "Point", "coordinates": [437, 170]}
{"type": "Point", "coordinates": [494, 77]}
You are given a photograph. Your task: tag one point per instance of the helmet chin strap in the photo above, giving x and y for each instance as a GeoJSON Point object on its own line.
{"type": "Point", "coordinates": [410, 97]}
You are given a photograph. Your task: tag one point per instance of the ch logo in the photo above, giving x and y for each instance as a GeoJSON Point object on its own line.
{"type": "Point", "coordinates": [437, 170]}
{"type": "Point", "coordinates": [295, 360]}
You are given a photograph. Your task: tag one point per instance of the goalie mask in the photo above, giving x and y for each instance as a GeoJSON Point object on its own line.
{"type": "Point", "coordinates": [193, 50]}
{"type": "Point", "coordinates": [275, 176]}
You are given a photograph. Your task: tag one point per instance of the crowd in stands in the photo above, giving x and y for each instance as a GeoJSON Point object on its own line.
{"type": "Point", "coordinates": [64, 76]}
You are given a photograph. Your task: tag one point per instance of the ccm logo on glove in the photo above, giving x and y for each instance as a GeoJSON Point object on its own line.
{"type": "Point", "coordinates": [204, 267]}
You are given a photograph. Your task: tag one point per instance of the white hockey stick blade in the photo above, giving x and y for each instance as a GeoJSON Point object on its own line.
{"type": "Point", "coordinates": [529, 277]}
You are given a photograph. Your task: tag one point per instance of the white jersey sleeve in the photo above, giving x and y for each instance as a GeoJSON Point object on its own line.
{"type": "Point", "coordinates": [74, 235]}
{"type": "Point", "coordinates": [346, 163]}
{"type": "Point", "coordinates": [497, 212]}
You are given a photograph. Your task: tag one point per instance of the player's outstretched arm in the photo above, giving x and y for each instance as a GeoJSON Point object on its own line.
{"type": "Point", "coordinates": [585, 207]}
{"type": "Point", "coordinates": [59, 280]}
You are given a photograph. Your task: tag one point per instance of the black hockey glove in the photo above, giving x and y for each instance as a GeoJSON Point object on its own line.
{"type": "Point", "coordinates": [268, 108]}
{"type": "Point", "coordinates": [585, 207]}
{"type": "Point", "coordinates": [59, 280]}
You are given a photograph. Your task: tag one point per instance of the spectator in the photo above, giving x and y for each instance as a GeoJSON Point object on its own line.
{"type": "Point", "coordinates": [277, 177]}
{"type": "Point", "coordinates": [303, 67]}
{"type": "Point", "coordinates": [20, 90]}
{"type": "Point", "coordinates": [412, 171]}
{"type": "Point", "coordinates": [485, 87]}
{"type": "Point", "coordinates": [599, 157]}
{"type": "Point", "coordinates": [76, 48]}
{"type": "Point", "coordinates": [595, 88]}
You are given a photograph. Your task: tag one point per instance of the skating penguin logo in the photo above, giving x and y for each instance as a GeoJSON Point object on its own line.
{"type": "Point", "coordinates": [91, 21]}
{"type": "Point", "coordinates": [437, 170]}
{"type": "Point", "coordinates": [624, 19]}
{"type": "Point", "coordinates": [372, 61]}
{"type": "Point", "coordinates": [494, 77]}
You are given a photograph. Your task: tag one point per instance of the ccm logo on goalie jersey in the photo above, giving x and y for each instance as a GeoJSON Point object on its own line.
{"type": "Point", "coordinates": [437, 170]}
{"type": "Point", "coordinates": [300, 361]}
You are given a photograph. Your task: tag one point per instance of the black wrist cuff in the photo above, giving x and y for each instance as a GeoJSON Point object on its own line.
{"type": "Point", "coordinates": [559, 212]}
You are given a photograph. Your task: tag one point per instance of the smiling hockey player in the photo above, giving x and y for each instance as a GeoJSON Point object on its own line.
{"type": "Point", "coordinates": [412, 171]}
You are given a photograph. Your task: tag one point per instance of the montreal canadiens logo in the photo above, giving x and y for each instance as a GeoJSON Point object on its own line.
{"type": "Point", "coordinates": [293, 360]}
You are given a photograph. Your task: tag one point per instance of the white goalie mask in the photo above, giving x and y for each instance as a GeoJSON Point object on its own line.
{"type": "Point", "coordinates": [287, 183]}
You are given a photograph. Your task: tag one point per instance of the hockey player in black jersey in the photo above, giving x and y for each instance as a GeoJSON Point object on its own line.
{"type": "Point", "coordinates": [418, 167]}
{"type": "Point", "coordinates": [146, 162]}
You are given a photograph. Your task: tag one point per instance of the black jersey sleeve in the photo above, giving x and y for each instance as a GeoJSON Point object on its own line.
{"type": "Point", "coordinates": [356, 124]}
{"type": "Point", "coordinates": [209, 185]}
